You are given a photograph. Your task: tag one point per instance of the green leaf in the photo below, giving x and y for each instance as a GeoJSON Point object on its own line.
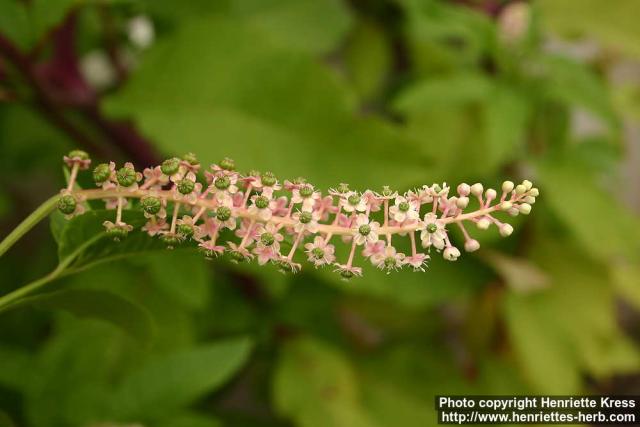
{"type": "Point", "coordinates": [14, 22]}
{"type": "Point", "coordinates": [16, 367]}
{"type": "Point", "coordinates": [315, 386]}
{"type": "Point", "coordinates": [177, 379]}
{"type": "Point", "coordinates": [368, 58]}
{"type": "Point", "coordinates": [437, 92]}
{"type": "Point", "coordinates": [85, 303]}
{"type": "Point", "coordinates": [588, 210]}
{"type": "Point", "coordinates": [613, 23]}
{"type": "Point", "coordinates": [571, 327]}
{"type": "Point", "coordinates": [520, 274]}
{"type": "Point", "coordinates": [183, 276]}
{"type": "Point", "coordinates": [221, 83]}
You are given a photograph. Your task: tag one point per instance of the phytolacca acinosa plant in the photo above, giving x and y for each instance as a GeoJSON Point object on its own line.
{"type": "Point", "coordinates": [261, 212]}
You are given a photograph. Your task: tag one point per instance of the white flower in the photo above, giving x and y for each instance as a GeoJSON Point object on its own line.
{"type": "Point", "coordinates": [403, 209]}
{"type": "Point", "coordinates": [352, 201]}
{"type": "Point", "coordinates": [391, 259]}
{"type": "Point", "coordinates": [364, 230]}
{"type": "Point", "coordinates": [433, 232]}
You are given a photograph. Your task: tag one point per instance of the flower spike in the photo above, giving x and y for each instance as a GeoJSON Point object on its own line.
{"type": "Point", "coordinates": [262, 212]}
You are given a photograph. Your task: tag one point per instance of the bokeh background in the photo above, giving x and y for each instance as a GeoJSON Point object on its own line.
{"type": "Point", "coordinates": [399, 92]}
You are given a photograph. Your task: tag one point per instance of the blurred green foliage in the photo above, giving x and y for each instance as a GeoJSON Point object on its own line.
{"type": "Point", "coordinates": [399, 92]}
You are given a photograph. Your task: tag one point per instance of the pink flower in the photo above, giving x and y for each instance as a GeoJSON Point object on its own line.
{"type": "Point", "coordinates": [319, 252]}
{"type": "Point", "coordinates": [244, 229]}
{"type": "Point", "coordinates": [390, 259]}
{"type": "Point", "coordinates": [210, 249]}
{"type": "Point", "coordinates": [154, 227]}
{"type": "Point", "coordinates": [372, 200]}
{"type": "Point", "coordinates": [374, 250]}
{"type": "Point", "coordinates": [238, 253]}
{"type": "Point", "coordinates": [348, 271]}
{"type": "Point", "coordinates": [262, 207]}
{"type": "Point", "coordinates": [433, 232]}
{"type": "Point", "coordinates": [403, 210]}
{"type": "Point", "coordinates": [306, 195]}
{"type": "Point", "coordinates": [417, 261]}
{"type": "Point", "coordinates": [267, 253]}
{"type": "Point", "coordinates": [353, 202]}
{"type": "Point", "coordinates": [154, 179]}
{"type": "Point", "coordinates": [326, 206]}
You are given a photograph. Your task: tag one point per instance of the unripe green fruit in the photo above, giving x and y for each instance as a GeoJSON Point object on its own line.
{"type": "Point", "coordinates": [185, 230]}
{"type": "Point", "coordinates": [306, 191]}
{"type": "Point", "coordinates": [101, 173]}
{"type": "Point", "coordinates": [262, 202]}
{"type": "Point", "coordinates": [190, 158]}
{"type": "Point", "coordinates": [126, 176]}
{"type": "Point", "coordinates": [186, 186]}
{"type": "Point", "coordinates": [223, 213]}
{"type": "Point", "coordinates": [269, 179]}
{"type": "Point", "coordinates": [267, 239]}
{"type": "Point", "coordinates": [82, 155]}
{"type": "Point", "coordinates": [305, 217]}
{"type": "Point", "coordinates": [227, 164]}
{"type": "Point", "coordinates": [67, 204]}
{"type": "Point", "coordinates": [222, 182]}
{"type": "Point", "coordinates": [170, 166]}
{"type": "Point", "coordinates": [151, 205]}
{"type": "Point", "coordinates": [117, 233]}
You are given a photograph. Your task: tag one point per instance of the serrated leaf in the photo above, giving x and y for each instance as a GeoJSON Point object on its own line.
{"type": "Point", "coordinates": [177, 379]}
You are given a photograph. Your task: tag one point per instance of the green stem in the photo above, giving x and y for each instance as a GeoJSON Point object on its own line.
{"type": "Point", "coordinates": [60, 270]}
{"type": "Point", "coordinates": [36, 216]}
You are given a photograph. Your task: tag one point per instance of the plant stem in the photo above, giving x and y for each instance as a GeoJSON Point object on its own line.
{"type": "Point", "coordinates": [29, 222]}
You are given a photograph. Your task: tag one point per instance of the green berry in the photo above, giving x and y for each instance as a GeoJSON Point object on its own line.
{"type": "Point", "coordinates": [126, 176]}
{"type": "Point", "coordinates": [151, 205]}
{"type": "Point", "coordinates": [364, 229]}
{"type": "Point", "coordinates": [222, 182]}
{"type": "Point", "coordinates": [236, 256]}
{"type": "Point", "coordinates": [432, 228]}
{"type": "Point", "coordinates": [305, 217]}
{"type": "Point", "coordinates": [262, 202]}
{"type": "Point", "coordinates": [227, 164]}
{"type": "Point", "coordinates": [300, 180]}
{"type": "Point", "coordinates": [306, 191]}
{"type": "Point", "coordinates": [317, 253]}
{"type": "Point", "coordinates": [269, 179]}
{"type": "Point", "coordinates": [343, 188]}
{"type": "Point", "coordinates": [171, 239]}
{"type": "Point", "coordinates": [254, 172]}
{"type": "Point", "coordinates": [190, 158]}
{"type": "Point", "coordinates": [389, 262]}
{"type": "Point", "coordinates": [117, 233]}
{"type": "Point", "coordinates": [267, 239]}
{"type": "Point", "coordinates": [186, 186]}
{"type": "Point", "coordinates": [346, 274]}
{"type": "Point", "coordinates": [82, 155]}
{"type": "Point", "coordinates": [185, 230]}
{"type": "Point", "coordinates": [101, 173]}
{"type": "Point", "coordinates": [403, 206]}
{"type": "Point", "coordinates": [223, 213]}
{"type": "Point", "coordinates": [386, 191]}
{"type": "Point", "coordinates": [67, 204]}
{"type": "Point", "coordinates": [353, 200]}
{"type": "Point", "coordinates": [170, 166]}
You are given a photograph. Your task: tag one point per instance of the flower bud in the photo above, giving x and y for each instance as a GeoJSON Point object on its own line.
{"type": "Point", "coordinates": [527, 184]}
{"type": "Point", "coordinates": [464, 189]}
{"type": "Point", "coordinates": [534, 192]}
{"type": "Point", "coordinates": [520, 189]}
{"type": "Point", "coordinates": [530, 199]}
{"type": "Point", "coordinates": [471, 245]}
{"type": "Point", "coordinates": [477, 189]}
{"type": "Point", "coordinates": [483, 223]}
{"type": "Point", "coordinates": [524, 208]}
{"type": "Point", "coordinates": [451, 253]}
{"type": "Point", "coordinates": [514, 211]}
{"type": "Point", "coordinates": [491, 194]}
{"type": "Point", "coordinates": [507, 186]}
{"type": "Point", "coordinates": [505, 230]}
{"type": "Point", "coordinates": [506, 205]}
{"type": "Point", "coordinates": [462, 202]}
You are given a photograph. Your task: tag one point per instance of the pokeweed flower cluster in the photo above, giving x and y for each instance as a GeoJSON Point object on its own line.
{"type": "Point", "coordinates": [261, 211]}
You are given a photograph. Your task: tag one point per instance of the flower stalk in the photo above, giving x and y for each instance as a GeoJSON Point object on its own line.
{"type": "Point", "coordinates": [260, 210]}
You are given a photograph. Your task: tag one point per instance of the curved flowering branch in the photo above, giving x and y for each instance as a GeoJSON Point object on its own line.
{"type": "Point", "coordinates": [262, 212]}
